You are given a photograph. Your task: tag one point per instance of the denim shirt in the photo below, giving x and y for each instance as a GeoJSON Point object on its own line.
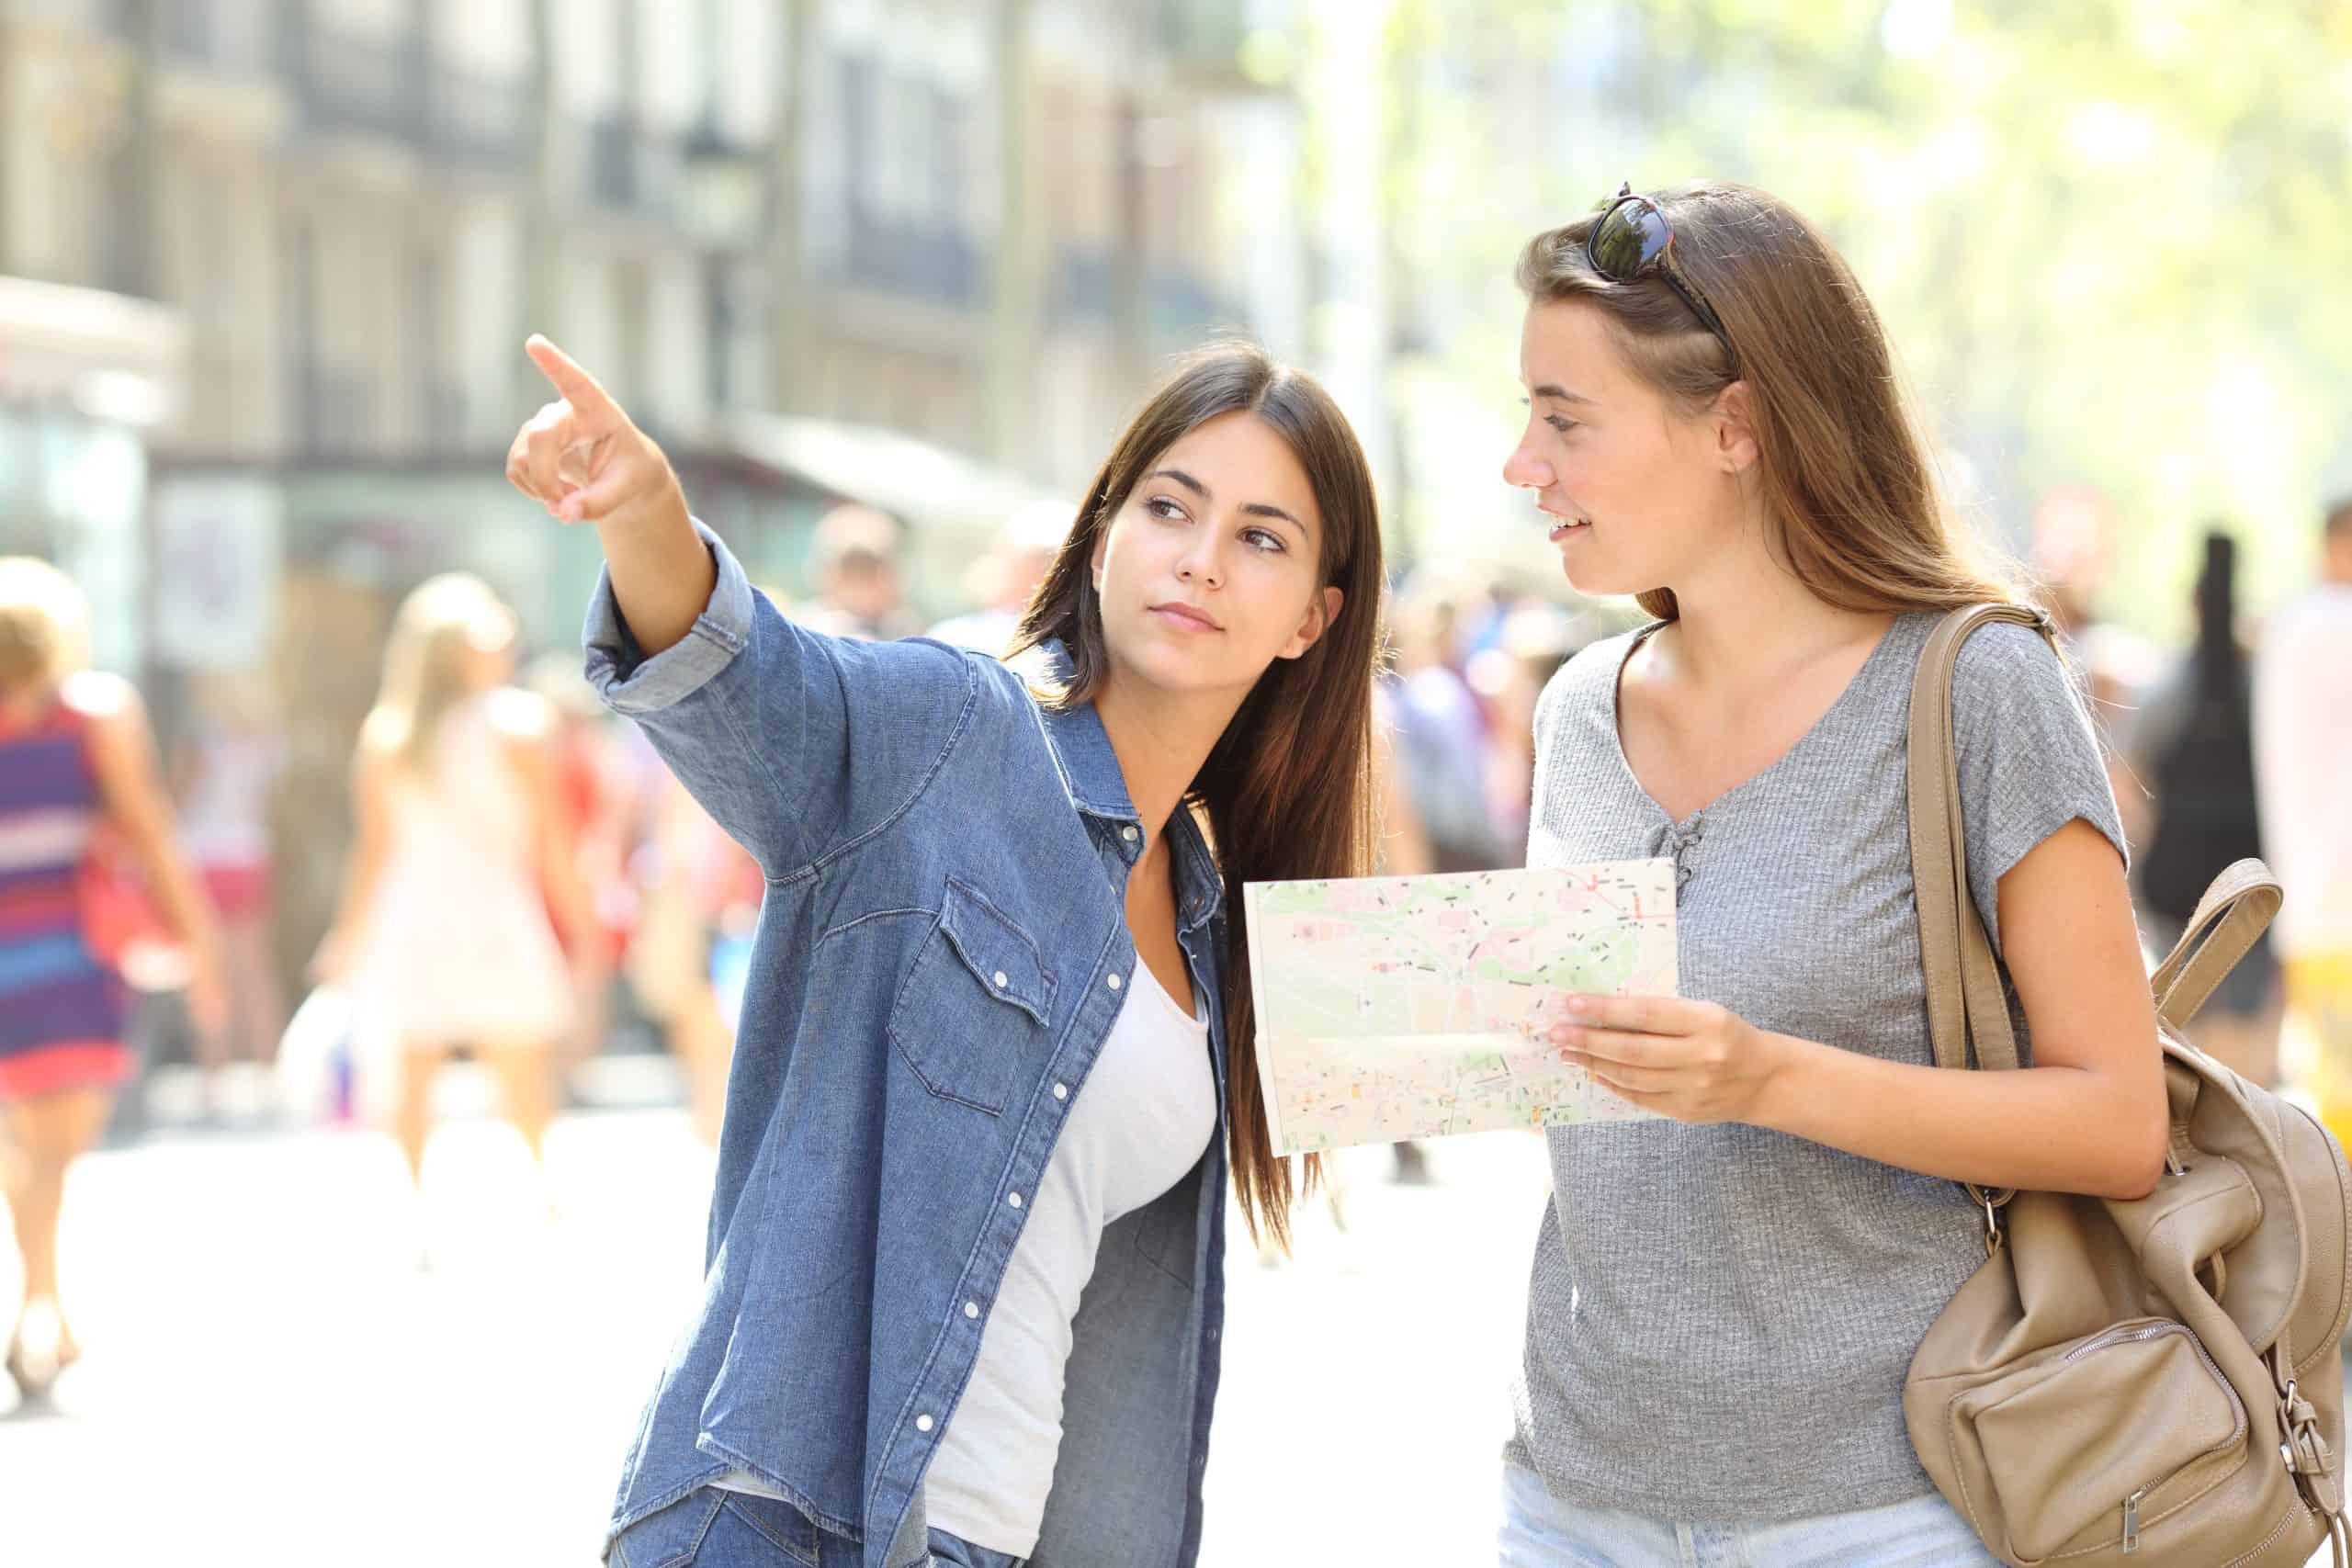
{"type": "Point", "coordinates": [941, 953]}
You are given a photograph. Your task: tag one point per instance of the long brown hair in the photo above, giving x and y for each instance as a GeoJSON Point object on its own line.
{"type": "Point", "coordinates": [1287, 792]}
{"type": "Point", "coordinates": [1849, 496]}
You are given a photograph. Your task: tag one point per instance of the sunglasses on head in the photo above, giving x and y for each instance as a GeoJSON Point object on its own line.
{"type": "Point", "coordinates": [1632, 236]}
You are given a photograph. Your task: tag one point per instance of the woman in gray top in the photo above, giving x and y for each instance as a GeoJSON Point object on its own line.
{"type": "Point", "coordinates": [1724, 1302]}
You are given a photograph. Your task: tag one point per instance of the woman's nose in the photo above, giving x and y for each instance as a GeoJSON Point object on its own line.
{"type": "Point", "coordinates": [1524, 471]}
{"type": "Point", "coordinates": [1199, 564]}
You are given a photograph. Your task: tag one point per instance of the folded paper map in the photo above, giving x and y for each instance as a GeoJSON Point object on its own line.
{"type": "Point", "coordinates": [1412, 1007]}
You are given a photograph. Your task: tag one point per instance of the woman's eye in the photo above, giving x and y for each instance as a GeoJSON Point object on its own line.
{"type": "Point", "coordinates": [1162, 507]}
{"type": "Point", "coordinates": [1261, 539]}
{"type": "Point", "coordinates": [1560, 423]}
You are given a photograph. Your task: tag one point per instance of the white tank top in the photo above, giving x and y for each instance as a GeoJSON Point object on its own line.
{"type": "Point", "coordinates": [1140, 1122]}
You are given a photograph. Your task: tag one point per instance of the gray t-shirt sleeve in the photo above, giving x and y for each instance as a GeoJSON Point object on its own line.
{"type": "Point", "coordinates": [2029, 763]}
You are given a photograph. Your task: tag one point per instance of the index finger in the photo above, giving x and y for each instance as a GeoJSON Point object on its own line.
{"type": "Point", "coordinates": [578, 389]}
{"type": "Point", "coordinates": [1646, 1015]}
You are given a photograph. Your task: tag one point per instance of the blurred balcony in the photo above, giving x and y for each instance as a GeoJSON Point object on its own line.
{"type": "Point", "coordinates": [1177, 301]}
{"type": "Point", "coordinates": [630, 169]}
{"type": "Point", "coordinates": [476, 119]}
{"type": "Point", "coordinates": [353, 84]}
{"type": "Point", "coordinates": [934, 261]}
{"type": "Point", "coordinates": [1182, 303]}
{"type": "Point", "coordinates": [1084, 282]}
{"type": "Point", "coordinates": [227, 37]}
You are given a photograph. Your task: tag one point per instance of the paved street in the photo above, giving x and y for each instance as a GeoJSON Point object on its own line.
{"type": "Point", "coordinates": [275, 1379]}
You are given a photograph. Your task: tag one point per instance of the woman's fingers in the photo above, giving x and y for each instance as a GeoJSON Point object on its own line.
{"type": "Point", "coordinates": [580, 458]}
{"type": "Point", "coordinates": [518, 466]}
{"type": "Point", "coordinates": [544, 455]}
{"type": "Point", "coordinates": [598, 413]}
{"type": "Point", "coordinates": [596, 501]}
{"type": "Point", "coordinates": [1621, 1046]}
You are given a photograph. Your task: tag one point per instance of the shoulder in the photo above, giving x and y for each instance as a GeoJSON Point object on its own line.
{"type": "Point", "coordinates": [100, 699]}
{"type": "Point", "coordinates": [2005, 667]}
{"type": "Point", "coordinates": [112, 720]}
{"type": "Point", "coordinates": [1587, 683]}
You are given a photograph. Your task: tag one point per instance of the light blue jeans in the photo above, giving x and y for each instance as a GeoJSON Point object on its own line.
{"type": "Point", "coordinates": [1540, 1531]}
{"type": "Point", "coordinates": [712, 1528]}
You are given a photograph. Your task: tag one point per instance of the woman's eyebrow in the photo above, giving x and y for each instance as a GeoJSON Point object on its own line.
{"type": "Point", "coordinates": [1253, 509]}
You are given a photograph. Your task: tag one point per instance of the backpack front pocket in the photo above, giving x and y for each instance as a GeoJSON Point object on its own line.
{"type": "Point", "coordinates": [2100, 1439]}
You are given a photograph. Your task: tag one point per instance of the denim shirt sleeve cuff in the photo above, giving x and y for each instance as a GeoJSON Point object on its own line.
{"type": "Point", "coordinates": [628, 681]}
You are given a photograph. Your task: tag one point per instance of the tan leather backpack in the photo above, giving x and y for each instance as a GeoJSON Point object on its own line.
{"type": "Point", "coordinates": [2151, 1383]}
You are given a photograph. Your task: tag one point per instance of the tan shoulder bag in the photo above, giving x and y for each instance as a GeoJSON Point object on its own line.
{"type": "Point", "coordinates": [2153, 1382]}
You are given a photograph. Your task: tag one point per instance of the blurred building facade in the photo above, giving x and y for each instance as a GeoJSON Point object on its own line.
{"type": "Point", "coordinates": [916, 251]}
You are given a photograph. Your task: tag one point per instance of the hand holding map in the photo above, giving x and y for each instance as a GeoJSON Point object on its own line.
{"type": "Point", "coordinates": [1412, 1007]}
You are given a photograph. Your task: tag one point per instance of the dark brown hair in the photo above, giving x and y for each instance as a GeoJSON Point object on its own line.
{"type": "Point", "coordinates": [1287, 792]}
{"type": "Point", "coordinates": [1849, 494]}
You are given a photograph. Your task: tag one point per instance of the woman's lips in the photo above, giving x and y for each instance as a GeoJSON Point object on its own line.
{"type": "Point", "coordinates": [1186, 617]}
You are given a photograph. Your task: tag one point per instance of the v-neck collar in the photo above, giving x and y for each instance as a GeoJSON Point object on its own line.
{"type": "Point", "coordinates": [1684, 825]}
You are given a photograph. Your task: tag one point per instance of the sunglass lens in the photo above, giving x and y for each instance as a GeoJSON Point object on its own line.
{"type": "Point", "coordinates": [1629, 238]}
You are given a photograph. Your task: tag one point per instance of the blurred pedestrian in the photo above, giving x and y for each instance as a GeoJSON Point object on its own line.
{"type": "Point", "coordinates": [1442, 741]}
{"type": "Point", "coordinates": [1724, 1302]}
{"type": "Point", "coordinates": [595, 799]}
{"type": "Point", "coordinates": [442, 933]}
{"type": "Point", "coordinates": [1005, 580]}
{"type": "Point", "coordinates": [854, 563]}
{"type": "Point", "coordinates": [964, 1265]}
{"type": "Point", "coordinates": [699, 887]}
{"type": "Point", "coordinates": [1532, 640]}
{"type": "Point", "coordinates": [2192, 741]}
{"type": "Point", "coordinates": [224, 774]}
{"type": "Point", "coordinates": [76, 761]}
{"type": "Point", "coordinates": [2302, 736]}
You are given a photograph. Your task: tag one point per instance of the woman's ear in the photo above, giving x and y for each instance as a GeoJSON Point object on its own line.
{"type": "Point", "coordinates": [1736, 448]}
{"type": "Point", "coordinates": [1320, 612]}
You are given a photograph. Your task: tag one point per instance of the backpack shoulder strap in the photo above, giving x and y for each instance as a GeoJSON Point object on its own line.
{"type": "Point", "coordinates": [1966, 1003]}
{"type": "Point", "coordinates": [2229, 920]}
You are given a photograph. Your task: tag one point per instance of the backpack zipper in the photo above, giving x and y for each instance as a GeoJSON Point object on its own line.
{"type": "Point", "coordinates": [2141, 1333]}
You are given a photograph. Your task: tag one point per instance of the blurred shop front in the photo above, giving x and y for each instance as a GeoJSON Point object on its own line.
{"type": "Point", "coordinates": [83, 376]}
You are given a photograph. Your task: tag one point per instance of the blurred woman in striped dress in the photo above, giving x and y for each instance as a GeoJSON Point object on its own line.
{"type": "Point", "coordinates": [75, 757]}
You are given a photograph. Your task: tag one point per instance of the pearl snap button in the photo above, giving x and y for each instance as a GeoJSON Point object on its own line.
{"type": "Point", "coordinates": [1128, 834]}
{"type": "Point", "coordinates": [1000, 980]}
{"type": "Point", "coordinates": [1115, 982]}
{"type": "Point", "coordinates": [1061, 1091]}
{"type": "Point", "coordinates": [971, 1309]}
{"type": "Point", "coordinates": [922, 1423]}
{"type": "Point", "coordinates": [1015, 1200]}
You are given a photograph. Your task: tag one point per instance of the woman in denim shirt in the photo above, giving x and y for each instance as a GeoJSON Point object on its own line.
{"type": "Point", "coordinates": [964, 1290]}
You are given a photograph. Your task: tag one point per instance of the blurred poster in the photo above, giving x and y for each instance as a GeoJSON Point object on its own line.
{"type": "Point", "coordinates": [217, 563]}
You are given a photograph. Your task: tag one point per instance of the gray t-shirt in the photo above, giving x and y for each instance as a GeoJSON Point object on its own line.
{"type": "Point", "coordinates": [1720, 1317]}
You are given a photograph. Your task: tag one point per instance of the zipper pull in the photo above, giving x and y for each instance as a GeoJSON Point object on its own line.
{"type": "Point", "coordinates": [2132, 1521]}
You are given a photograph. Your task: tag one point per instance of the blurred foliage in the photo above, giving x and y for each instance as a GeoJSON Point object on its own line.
{"type": "Point", "coordinates": [2110, 238]}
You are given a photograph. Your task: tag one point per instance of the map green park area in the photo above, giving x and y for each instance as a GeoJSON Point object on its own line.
{"type": "Point", "coordinates": [1415, 1007]}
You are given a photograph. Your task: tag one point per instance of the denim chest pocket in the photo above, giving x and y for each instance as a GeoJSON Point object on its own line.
{"type": "Point", "coordinates": [976, 1004]}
